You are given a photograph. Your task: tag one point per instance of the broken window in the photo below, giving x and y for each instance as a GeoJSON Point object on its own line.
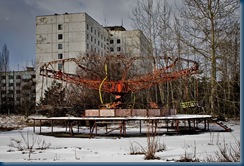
{"type": "Point", "coordinates": [60, 56]}
{"type": "Point", "coordinates": [60, 36]}
{"type": "Point", "coordinates": [60, 26]}
{"type": "Point", "coordinates": [60, 46]}
{"type": "Point", "coordinates": [60, 66]}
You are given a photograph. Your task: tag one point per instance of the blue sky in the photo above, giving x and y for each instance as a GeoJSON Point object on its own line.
{"type": "Point", "coordinates": [17, 21]}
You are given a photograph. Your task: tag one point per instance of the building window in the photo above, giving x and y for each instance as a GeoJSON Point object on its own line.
{"type": "Point", "coordinates": [60, 26]}
{"type": "Point", "coordinates": [11, 77]}
{"type": "Point", "coordinates": [87, 46]}
{"type": "Point", "coordinates": [95, 41]}
{"type": "Point", "coordinates": [87, 26]}
{"type": "Point", "coordinates": [91, 38]}
{"type": "Point", "coordinates": [60, 46]}
{"type": "Point", "coordinates": [95, 31]}
{"type": "Point", "coordinates": [26, 80]}
{"type": "Point", "coordinates": [60, 56]}
{"type": "Point", "coordinates": [111, 41]}
{"type": "Point", "coordinates": [91, 30]}
{"type": "Point", "coordinates": [118, 41]}
{"type": "Point", "coordinates": [87, 36]}
{"type": "Point", "coordinates": [118, 49]}
{"type": "Point", "coordinates": [60, 66]}
{"type": "Point", "coordinates": [18, 77]}
{"type": "Point", "coordinates": [26, 88]}
{"type": "Point", "coordinates": [60, 36]}
{"type": "Point", "coordinates": [98, 43]}
{"type": "Point", "coordinates": [111, 49]}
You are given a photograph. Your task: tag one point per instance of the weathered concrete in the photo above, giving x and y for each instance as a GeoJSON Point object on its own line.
{"type": "Point", "coordinates": [129, 112]}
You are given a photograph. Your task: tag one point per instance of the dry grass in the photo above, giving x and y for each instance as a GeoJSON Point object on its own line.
{"type": "Point", "coordinates": [226, 153]}
{"type": "Point", "coordinates": [29, 143]}
{"type": "Point", "coordinates": [153, 146]}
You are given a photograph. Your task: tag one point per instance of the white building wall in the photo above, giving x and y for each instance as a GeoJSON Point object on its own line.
{"type": "Point", "coordinates": [79, 34]}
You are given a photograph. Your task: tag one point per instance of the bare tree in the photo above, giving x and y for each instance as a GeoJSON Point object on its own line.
{"type": "Point", "coordinates": [4, 67]}
{"type": "Point", "coordinates": [229, 69]}
{"type": "Point", "coordinates": [4, 59]}
{"type": "Point", "coordinates": [153, 18]}
{"type": "Point", "coordinates": [207, 23]}
{"type": "Point", "coordinates": [145, 17]}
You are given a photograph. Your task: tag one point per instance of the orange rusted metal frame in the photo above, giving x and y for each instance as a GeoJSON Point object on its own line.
{"type": "Point", "coordinates": [123, 86]}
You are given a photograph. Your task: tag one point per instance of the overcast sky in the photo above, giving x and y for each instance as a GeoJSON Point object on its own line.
{"type": "Point", "coordinates": [17, 21]}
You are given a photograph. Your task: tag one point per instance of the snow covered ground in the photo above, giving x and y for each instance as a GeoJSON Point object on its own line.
{"type": "Point", "coordinates": [110, 149]}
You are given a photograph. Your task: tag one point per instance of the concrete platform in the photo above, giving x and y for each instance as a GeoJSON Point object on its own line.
{"type": "Point", "coordinates": [170, 122]}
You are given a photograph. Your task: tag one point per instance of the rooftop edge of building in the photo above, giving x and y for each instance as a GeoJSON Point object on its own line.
{"type": "Point", "coordinates": [66, 13]}
{"type": "Point", "coordinates": [115, 28]}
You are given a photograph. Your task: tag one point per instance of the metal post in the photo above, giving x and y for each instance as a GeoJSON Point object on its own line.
{"type": "Point", "coordinates": [205, 124]}
{"type": "Point", "coordinates": [40, 126]}
{"type": "Point", "coordinates": [208, 124]}
{"type": "Point", "coordinates": [78, 126]}
{"type": "Point", "coordinates": [124, 128]}
{"type": "Point", "coordinates": [194, 124]}
{"type": "Point", "coordinates": [156, 125]}
{"type": "Point", "coordinates": [51, 126]}
{"type": "Point", "coordinates": [96, 128]}
{"type": "Point", "coordinates": [90, 125]}
{"type": "Point", "coordinates": [177, 126]}
{"type": "Point", "coordinates": [34, 126]}
{"type": "Point", "coordinates": [70, 128]}
{"type": "Point", "coordinates": [189, 124]}
{"type": "Point", "coordinates": [167, 125]}
{"type": "Point", "coordinates": [140, 126]}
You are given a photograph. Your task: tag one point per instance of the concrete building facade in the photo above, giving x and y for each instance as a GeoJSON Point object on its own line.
{"type": "Point", "coordinates": [130, 42]}
{"type": "Point", "coordinates": [17, 91]}
{"type": "Point", "coordinates": [62, 36]}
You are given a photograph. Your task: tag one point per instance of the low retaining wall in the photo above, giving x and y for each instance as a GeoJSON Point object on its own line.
{"type": "Point", "coordinates": [129, 112]}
